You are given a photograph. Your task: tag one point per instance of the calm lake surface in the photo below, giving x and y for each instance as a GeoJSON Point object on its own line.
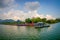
{"type": "Point", "coordinates": [8, 32]}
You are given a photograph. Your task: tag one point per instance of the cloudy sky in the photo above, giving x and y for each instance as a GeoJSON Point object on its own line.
{"type": "Point", "coordinates": [22, 9]}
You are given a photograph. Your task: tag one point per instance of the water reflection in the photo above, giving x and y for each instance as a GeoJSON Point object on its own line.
{"type": "Point", "coordinates": [28, 30]}
{"type": "Point", "coordinates": [28, 33]}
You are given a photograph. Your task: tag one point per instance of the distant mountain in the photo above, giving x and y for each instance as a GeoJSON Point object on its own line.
{"type": "Point", "coordinates": [1, 20]}
{"type": "Point", "coordinates": [7, 20]}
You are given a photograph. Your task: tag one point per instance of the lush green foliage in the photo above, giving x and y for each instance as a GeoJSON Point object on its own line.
{"type": "Point", "coordinates": [30, 20]}
{"type": "Point", "coordinates": [38, 19]}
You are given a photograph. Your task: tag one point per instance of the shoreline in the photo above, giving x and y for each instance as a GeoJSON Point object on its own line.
{"type": "Point", "coordinates": [24, 24]}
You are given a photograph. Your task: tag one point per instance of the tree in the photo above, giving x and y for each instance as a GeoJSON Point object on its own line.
{"type": "Point", "coordinates": [44, 20]}
{"type": "Point", "coordinates": [51, 21]}
{"type": "Point", "coordinates": [37, 19]}
{"type": "Point", "coordinates": [34, 20]}
{"type": "Point", "coordinates": [28, 20]}
{"type": "Point", "coordinates": [58, 19]}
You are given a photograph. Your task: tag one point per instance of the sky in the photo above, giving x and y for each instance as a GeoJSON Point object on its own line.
{"type": "Point", "coordinates": [22, 9]}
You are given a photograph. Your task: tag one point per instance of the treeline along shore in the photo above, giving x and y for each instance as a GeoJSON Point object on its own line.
{"type": "Point", "coordinates": [29, 20]}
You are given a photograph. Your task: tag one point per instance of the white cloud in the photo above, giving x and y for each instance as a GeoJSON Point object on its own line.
{"type": "Point", "coordinates": [32, 5]}
{"type": "Point", "coordinates": [8, 2]}
{"type": "Point", "coordinates": [49, 17]}
{"type": "Point", "coordinates": [21, 15]}
{"type": "Point", "coordinates": [6, 5]}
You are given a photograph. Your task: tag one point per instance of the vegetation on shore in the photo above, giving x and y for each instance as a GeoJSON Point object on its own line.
{"type": "Point", "coordinates": [38, 19]}
{"type": "Point", "coordinates": [29, 20]}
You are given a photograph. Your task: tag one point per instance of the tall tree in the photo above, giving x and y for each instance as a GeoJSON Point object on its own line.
{"type": "Point", "coordinates": [44, 20]}
{"type": "Point", "coordinates": [28, 20]}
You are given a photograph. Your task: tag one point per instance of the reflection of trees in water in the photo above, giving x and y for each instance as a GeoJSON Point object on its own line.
{"type": "Point", "coordinates": [21, 28]}
{"type": "Point", "coordinates": [28, 30]}
{"type": "Point", "coordinates": [31, 31]}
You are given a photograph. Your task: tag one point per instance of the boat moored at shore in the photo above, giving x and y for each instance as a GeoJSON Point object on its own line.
{"type": "Point", "coordinates": [39, 24]}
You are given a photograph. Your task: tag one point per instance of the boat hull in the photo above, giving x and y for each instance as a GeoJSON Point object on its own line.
{"type": "Point", "coordinates": [41, 26]}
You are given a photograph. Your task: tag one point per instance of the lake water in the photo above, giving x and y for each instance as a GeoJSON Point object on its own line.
{"type": "Point", "coordinates": [8, 32]}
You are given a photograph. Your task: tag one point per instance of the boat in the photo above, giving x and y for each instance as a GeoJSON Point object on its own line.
{"type": "Point", "coordinates": [41, 24]}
